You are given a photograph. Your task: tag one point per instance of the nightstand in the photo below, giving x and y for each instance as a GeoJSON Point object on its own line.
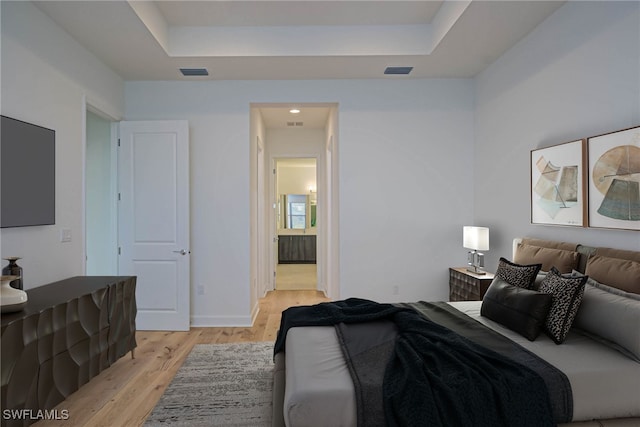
{"type": "Point", "coordinates": [467, 286]}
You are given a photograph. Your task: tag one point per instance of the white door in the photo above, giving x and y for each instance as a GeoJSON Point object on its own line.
{"type": "Point", "coordinates": [153, 220]}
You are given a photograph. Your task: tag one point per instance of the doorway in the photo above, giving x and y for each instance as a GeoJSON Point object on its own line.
{"type": "Point", "coordinates": [100, 196]}
{"type": "Point", "coordinates": [296, 191]}
{"type": "Point", "coordinates": [277, 134]}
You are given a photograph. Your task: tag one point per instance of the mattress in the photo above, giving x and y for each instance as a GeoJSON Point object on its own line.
{"type": "Point", "coordinates": [319, 391]}
{"type": "Point", "coordinates": [321, 380]}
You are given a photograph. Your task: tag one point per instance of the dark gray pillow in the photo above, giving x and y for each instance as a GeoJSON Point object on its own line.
{"type": "Point", "coordinates": [521, 310]}
{"type": "Point", "coordinates": [567, 295]}
{"type": "Point", "coordinates": [518, 275]}
{"type": "Point", "coordinates": [612, 316]}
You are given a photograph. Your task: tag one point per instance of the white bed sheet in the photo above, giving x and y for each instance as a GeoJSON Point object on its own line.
{"type": "Point", "coordinates": [319, 391]}
{"type": "Point", "coordinates": [605, 383]}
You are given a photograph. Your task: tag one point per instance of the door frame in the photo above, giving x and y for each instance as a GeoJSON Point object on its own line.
{"type": "Point", "coordinates": [329, 243]}
{"type": "Point", "coordinates": [320, 213]}
{"type": "Point", "coordinates": [88, 105]}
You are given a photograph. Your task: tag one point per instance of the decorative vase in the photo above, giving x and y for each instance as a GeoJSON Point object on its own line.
{"type": "Point", "coordinates": [11, 299]}
{"type": "Point", "coordinates": [14, 269]}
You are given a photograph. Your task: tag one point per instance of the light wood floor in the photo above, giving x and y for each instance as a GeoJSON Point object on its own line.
{"type": "Point", "coordinates": [126, 393]}
{"type": "Point", "coordinates": [296, 277]}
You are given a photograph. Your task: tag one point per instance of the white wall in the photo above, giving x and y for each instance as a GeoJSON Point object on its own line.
{"type": "Point", "coordinates": [46, 77]}
{"type": "Point", "coordinates": [576, 75]}
{"type": "Point", "coordinates": [406, 164]}
{"type": "Point", "coordinates": [296, 179]}
{"type": "Point", "coordinates": [405, 167]}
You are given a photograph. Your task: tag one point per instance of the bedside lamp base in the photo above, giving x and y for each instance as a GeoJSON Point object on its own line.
{"type": "Point", "coordinates": [475, 260]}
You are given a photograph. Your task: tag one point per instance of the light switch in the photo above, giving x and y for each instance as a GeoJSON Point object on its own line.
{"type": "Point", "coordinates": [65, 235]}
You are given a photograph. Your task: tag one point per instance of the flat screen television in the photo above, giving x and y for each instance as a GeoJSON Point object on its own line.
{"type": "Point", "coordinates": [27, 174]}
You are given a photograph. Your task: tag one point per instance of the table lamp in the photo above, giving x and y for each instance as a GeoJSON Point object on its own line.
{"type": "Point", "coordinates": [476, 239]}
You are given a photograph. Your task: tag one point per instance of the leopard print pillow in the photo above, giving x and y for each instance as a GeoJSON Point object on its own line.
{"type": "Point", "coordinates": [567, 295]}
{"type": "Point", "coordinates": [514, 274]}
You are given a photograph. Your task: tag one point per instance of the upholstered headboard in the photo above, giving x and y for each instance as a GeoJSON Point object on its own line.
{"type": "Point", "coordinates": [609, 306]}
{"type": "Point", "coordinates": [613, 267]}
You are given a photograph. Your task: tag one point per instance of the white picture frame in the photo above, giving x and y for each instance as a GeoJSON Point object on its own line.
{"type": "Point", "coordinates": [558, 194]}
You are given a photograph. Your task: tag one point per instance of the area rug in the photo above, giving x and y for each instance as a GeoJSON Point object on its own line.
{"type": "Point", "coordinates": [219, 385]}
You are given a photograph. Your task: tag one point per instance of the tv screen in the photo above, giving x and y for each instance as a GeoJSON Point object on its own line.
{"type": "Point", "coordinates": [27, 174]}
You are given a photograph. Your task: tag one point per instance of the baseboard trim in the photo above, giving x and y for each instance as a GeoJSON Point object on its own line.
{"type": "Point", "coordinates": [254, 313]}
{"type": "Point", "coordinates": [221, 321]}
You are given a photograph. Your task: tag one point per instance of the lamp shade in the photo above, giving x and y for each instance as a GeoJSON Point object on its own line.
{"type": "Point", "coordinates": [476, 238]}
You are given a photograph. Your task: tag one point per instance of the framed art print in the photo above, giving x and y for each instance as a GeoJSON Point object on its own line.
{"type": "Point", "coordinates": [558, 194]}
{"type": "Point", "coordinates": [614, 180]}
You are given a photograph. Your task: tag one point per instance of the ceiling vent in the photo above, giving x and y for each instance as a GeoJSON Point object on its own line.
{"type": "Point", "coordinates": [295, 124]}
{"type": "Point", "coordinates": [194, 72]}
{"type": "Point", "coordinates": [398, 70]}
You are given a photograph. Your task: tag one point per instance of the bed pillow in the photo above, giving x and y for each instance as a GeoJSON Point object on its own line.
{"type": "Point", "coordinates": [619, 273]}
{"type": "Point", "coordinates": [554, 244]}
{"type": "Point", "coordinates": [518, 275]}
{"type": "Point", "coordinates": [567, 295]}
{"type": "Point", "coordinates": [619, 253]}
{"type": "Point", "coordinates": [565, 261]}
{"type": "Point", "coordinates": [606, 288]}
{"type": "Point", "coordinates": [611, 316]}
{"type": "Point", "coordinates": [612, 290]}
{"type": "Point", "coordinates": [539, 278]}
{"type": "Point", "coordinates": [521, 310]}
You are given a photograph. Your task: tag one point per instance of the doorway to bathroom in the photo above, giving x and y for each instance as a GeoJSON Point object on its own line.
{"type": "Point", "coordinates": [280, 135]}
{"type": "Point", "coordinates": [296, 223]}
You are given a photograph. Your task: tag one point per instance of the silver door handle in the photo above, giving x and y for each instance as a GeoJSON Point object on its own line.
{"type": "Point", "coordinates": [181, 252]}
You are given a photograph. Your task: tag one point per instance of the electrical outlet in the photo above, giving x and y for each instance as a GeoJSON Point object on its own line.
{"type": "Point", "coordinates": [65, 235]}
{"type": "Point", "coordinates": [200, 290]}
{"type": "Point", "coordinates": [396, 290]}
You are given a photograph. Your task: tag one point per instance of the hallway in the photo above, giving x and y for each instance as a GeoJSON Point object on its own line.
{"type": "Point", "coordinates": [296, 277]}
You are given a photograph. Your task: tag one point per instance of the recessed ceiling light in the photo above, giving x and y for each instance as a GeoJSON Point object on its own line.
{"type": "Point", "coordinates": [398, 70]}
{"type": "Point", "coordinates": [294, 110]}
{"type": "Point", "coordinates": [194, 71]}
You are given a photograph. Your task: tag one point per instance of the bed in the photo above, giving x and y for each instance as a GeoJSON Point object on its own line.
{"type": "Point", "coordinates": [594, 353]}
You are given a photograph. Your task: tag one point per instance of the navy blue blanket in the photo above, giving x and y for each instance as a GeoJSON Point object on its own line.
{"type": "Point", "coordinates": [434, 376]}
